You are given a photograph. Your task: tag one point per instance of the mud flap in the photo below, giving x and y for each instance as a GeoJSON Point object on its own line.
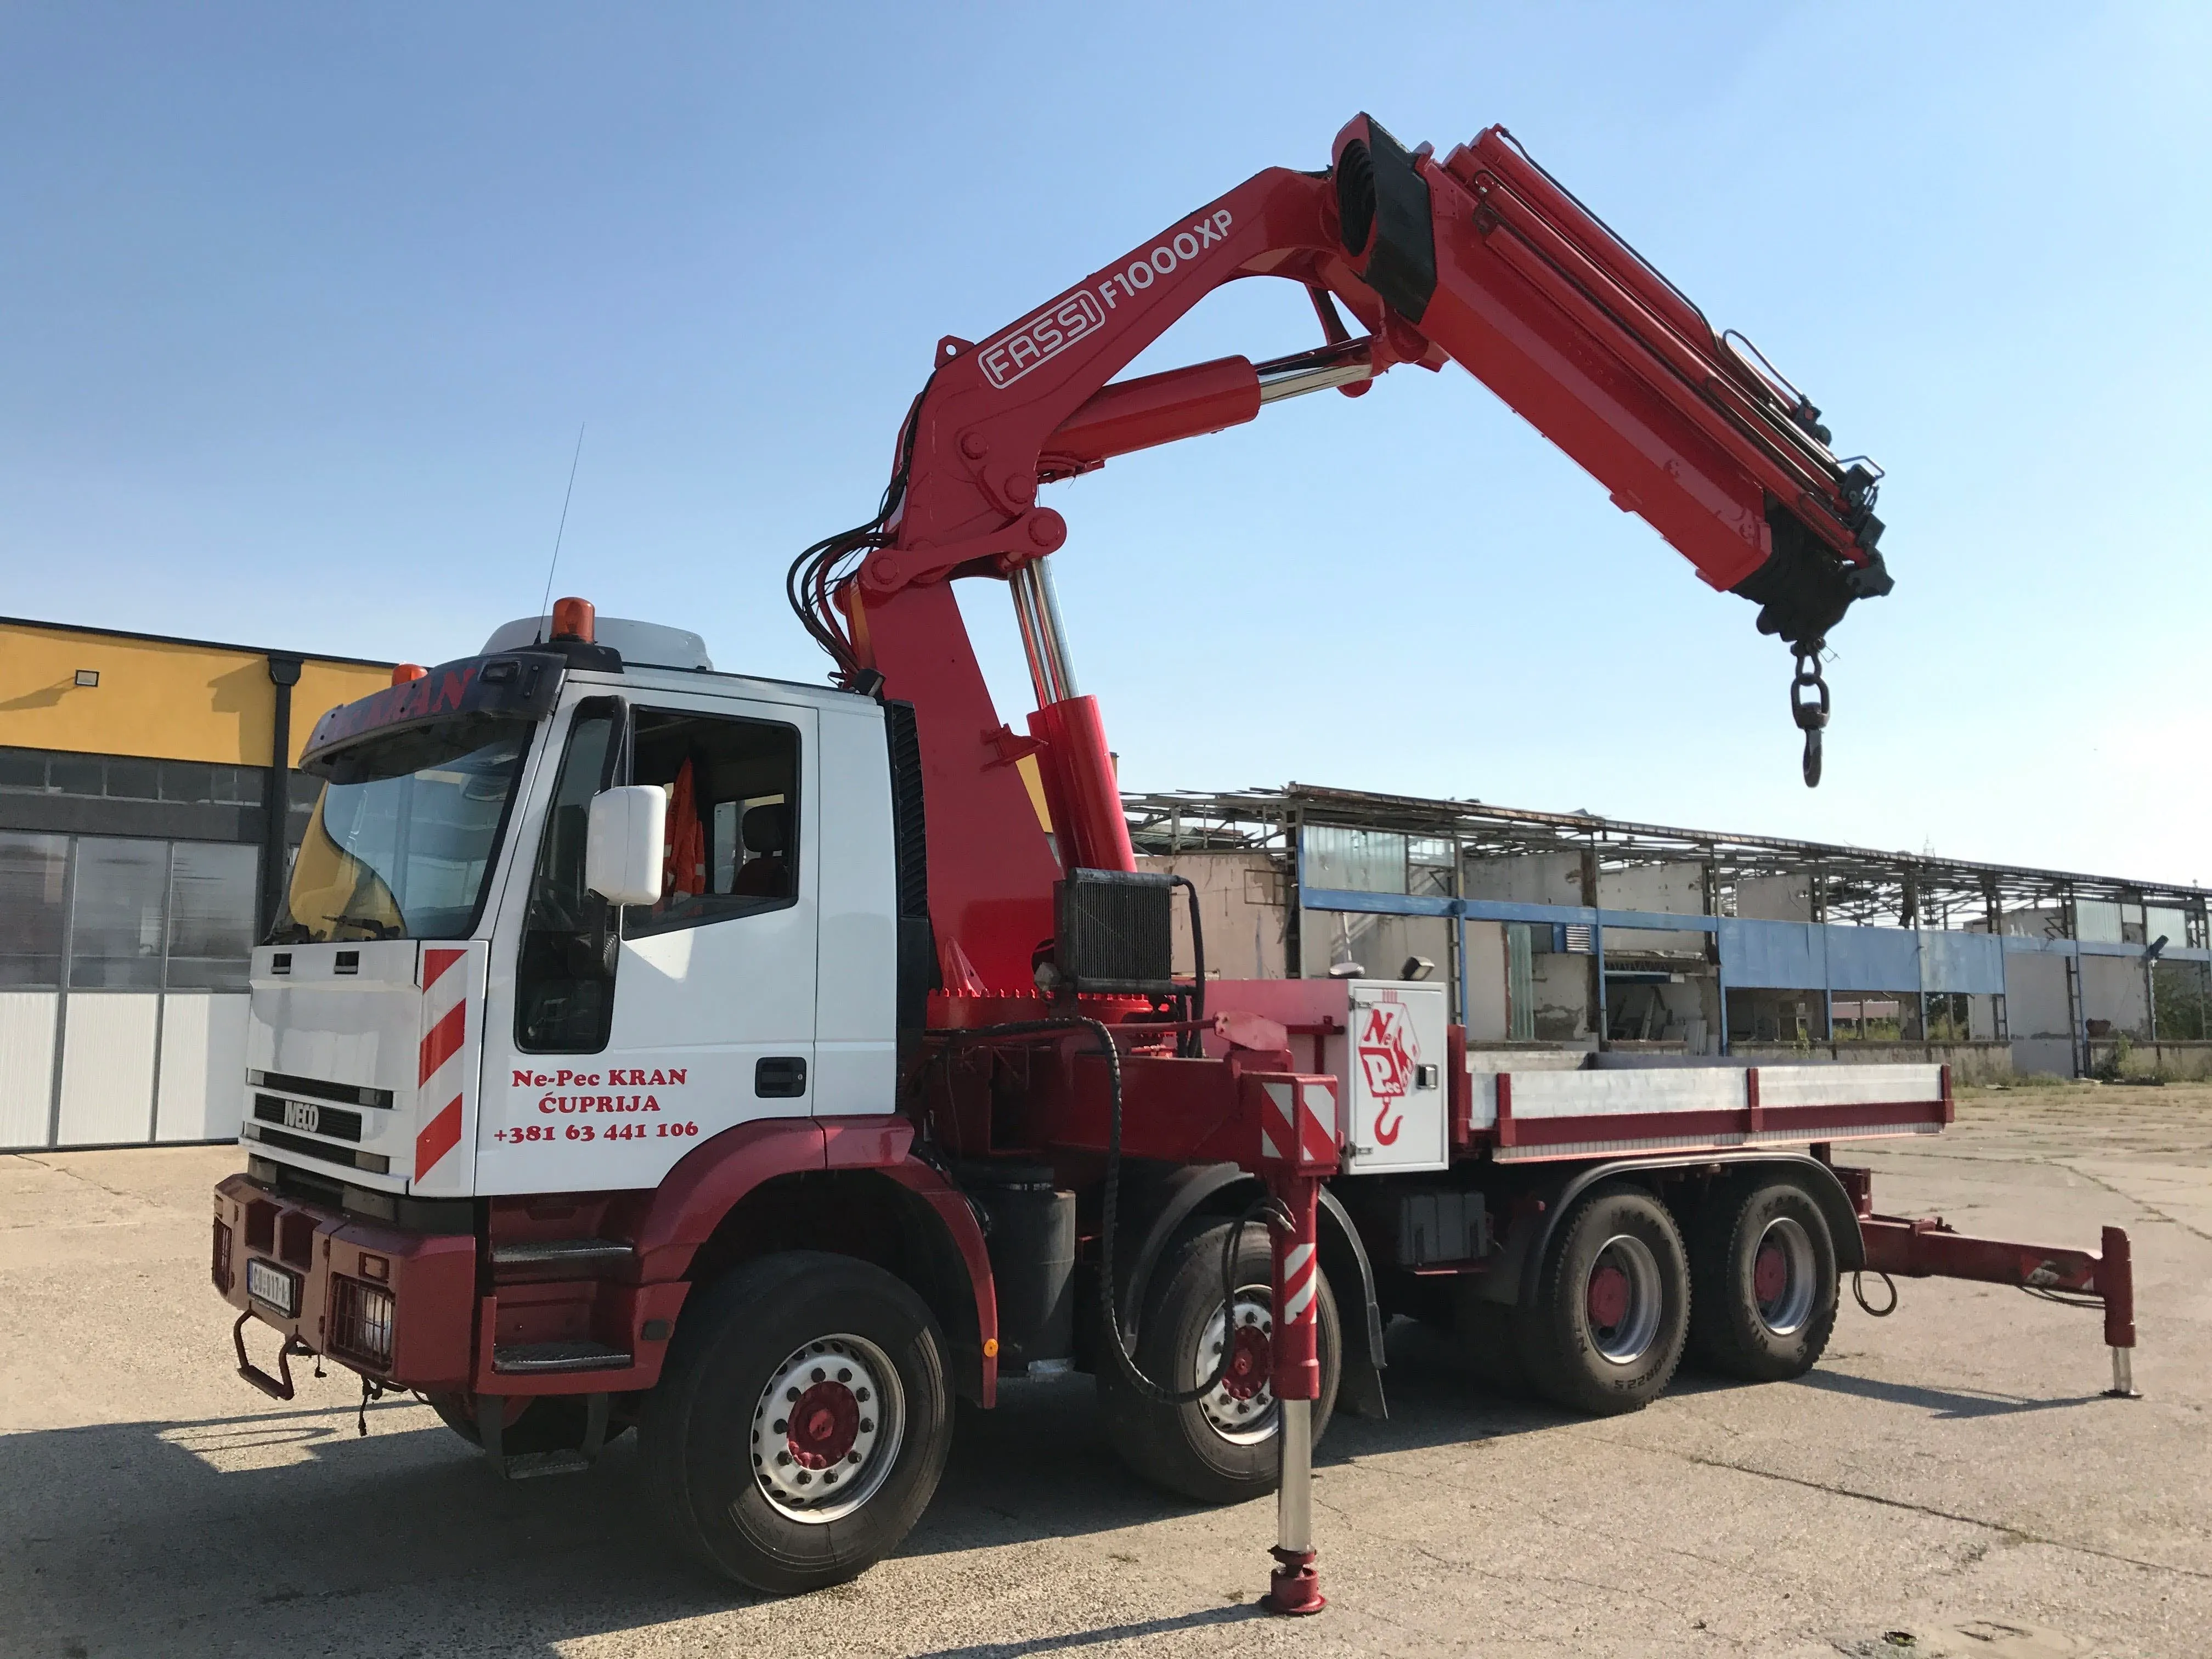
{"type": "Point", "coordinates": [491, 1430]}
{"type": "Point", "coordinates": [1344, 1258]}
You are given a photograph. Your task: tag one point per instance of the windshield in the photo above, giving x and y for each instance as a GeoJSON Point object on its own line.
{"type": "Point", "coordinates": [403, 837]}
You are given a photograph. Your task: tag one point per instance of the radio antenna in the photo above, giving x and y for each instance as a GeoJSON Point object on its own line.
{"type": "Point", "coordinates": [544, 606]}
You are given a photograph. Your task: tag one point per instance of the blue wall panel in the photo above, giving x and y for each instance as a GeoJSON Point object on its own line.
{"type": "Point", "coordinates": [1775, 956]}
{"type": "Point", "coordinates": [1963, 961]}
{"type": "Point", "coordinates": [1873, 958]}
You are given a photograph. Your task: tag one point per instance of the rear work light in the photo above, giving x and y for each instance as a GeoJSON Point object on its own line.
{"type": "Point", "coordinates": [360, 1321]}
{"type": "Point", "coordinates": [270, 1286]}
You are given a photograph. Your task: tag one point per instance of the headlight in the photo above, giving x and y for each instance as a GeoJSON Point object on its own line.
{"type": "Point", "coordinates": [360, 1321]}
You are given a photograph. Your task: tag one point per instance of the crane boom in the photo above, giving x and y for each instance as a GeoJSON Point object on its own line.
{"type": "Point", "coordinates": [1483, 259]}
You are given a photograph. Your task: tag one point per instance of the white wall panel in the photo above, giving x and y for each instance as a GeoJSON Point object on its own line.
{"type": "Point", "coordinates": [202, 1072]}
{"type": "Point", "coordinates": [108, 1067]}
{"type": "Point", "coordinates": [26, 1066]}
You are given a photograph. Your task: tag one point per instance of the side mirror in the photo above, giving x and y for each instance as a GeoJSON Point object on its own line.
{"type": "Point", "coordinates": [626, 842]}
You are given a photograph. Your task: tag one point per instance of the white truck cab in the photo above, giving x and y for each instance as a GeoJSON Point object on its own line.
{"type": "Point", "coordinates": [452, 1012]}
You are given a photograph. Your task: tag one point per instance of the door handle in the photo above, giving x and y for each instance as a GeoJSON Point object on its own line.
{"type": "Point", "coordinates": [779, 1077]}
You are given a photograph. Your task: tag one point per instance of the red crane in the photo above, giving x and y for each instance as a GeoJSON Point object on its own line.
{"type": "Point", "coordinates": [1482, 259]}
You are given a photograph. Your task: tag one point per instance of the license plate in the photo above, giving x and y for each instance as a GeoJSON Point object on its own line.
{"type": "Point", "coordinates": [302, 1115]}
{"type": "Point", "coordinates": [273, 1286]}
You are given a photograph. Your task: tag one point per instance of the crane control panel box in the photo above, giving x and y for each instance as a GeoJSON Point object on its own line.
{"type": "Point", "coordinates": [1383, 1040]}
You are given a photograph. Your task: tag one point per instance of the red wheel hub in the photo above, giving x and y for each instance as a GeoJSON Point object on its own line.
{"type": "Point", "coordinates": [1251, 1362]}
{"type": "Point", "coordinates": [823, 1423]}
{"type": "Point", "coordinates": [1770, 1274]}
{"type": "Point", "coordinates": [1608, 1296]}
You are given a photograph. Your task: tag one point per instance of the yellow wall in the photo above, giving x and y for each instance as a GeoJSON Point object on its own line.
{"type": "Point", "coordinates": [198, 702]}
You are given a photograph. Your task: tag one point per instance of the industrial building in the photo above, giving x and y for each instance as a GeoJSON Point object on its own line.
{"type": "Point", "coordinates": [147, 813]}
{"type": "Point", "coordinates": [149, 810]}
{"type": "Point", "coordinates": [1567, 933]}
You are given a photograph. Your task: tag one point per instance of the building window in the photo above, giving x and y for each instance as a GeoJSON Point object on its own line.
{"type": "Point", "coordinates": [116, 914]}
{"type": "Point", "coordinates": [211, 898]}
{"type": "Point", "coordinates": [126, 777]}
{"type": "Point", "coordinates": [34, 880]}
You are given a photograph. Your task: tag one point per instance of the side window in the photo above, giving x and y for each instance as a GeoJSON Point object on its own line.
{"type": "Point", "coordinates": [732, 846]}
{"type": "Point", "coordinates": [565, 981]}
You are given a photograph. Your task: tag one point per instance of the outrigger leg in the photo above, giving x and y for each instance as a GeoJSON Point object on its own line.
{"type": "Point", "coordinates": [1299, 1151]}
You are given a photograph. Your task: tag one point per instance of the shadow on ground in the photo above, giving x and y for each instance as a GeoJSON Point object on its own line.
{"type": "Point", "coordinates": [288, 1528]}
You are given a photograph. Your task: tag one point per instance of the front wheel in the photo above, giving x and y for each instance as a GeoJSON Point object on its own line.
{"type": "Point", "coordinates": [801, 1424]}
{"type": "Point", "coordinates": [1220, 1448]}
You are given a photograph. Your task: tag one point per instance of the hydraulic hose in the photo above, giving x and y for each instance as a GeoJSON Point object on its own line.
{"type": "Point", "coordinates": [1190, 1044]}
{"type": "Point", "coordinates": [1109, 1297]}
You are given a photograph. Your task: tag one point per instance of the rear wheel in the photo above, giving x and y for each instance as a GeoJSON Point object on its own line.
{"type": "Point", "coordinates": [1764, 1272]}
{"type": "Point", "coordinates": [1611, 1308]}
{"type": "Point", "coordinates": [1220, 1448]}
{"type": "Point", "coordinates": [801, 1424]}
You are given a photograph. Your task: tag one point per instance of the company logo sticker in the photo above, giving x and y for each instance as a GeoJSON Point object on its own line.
{"type": "Point", "coordinates": [1387, 1053]}
{"type": "Point", "coordinates": [1032, 345]}
{"type": "Point", "coordinates": [1029, 345]}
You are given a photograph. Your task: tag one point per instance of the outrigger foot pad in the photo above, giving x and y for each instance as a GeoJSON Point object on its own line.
{"type": "Point", "coordinates": [1294, 1588]}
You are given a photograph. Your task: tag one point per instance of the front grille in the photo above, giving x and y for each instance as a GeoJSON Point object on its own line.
{"type": "Point", "coordinates": [309, 1115]}
{"type": "Point", "coordinates": [221, 1273]}
{"type": "Point", "coordinates": [374, 1163]}
{"type": "Point", "coordinates": [352, 1094]}
{"type": "Point", "coordinates": [360, 1321]}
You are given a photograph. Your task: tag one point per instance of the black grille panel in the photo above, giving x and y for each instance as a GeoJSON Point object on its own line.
{"type": "Point", "coordinates": [319, 1090]}
{"type": "Point", "coordinates": [1114, 931]}
{"type": "Point", "coordinates": [300, 1143]}
{"type": "Point", "coordinates": [918, 973]}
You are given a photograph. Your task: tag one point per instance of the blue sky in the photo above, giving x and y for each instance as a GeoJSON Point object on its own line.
{"type": "Point", "coordinates": [300, 309]}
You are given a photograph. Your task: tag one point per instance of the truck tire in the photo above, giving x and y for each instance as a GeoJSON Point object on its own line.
{"type": "Point", "coordinates": [801, 1423]}
{"type": "Point", "coordinates": [1220, 1450]}
{"type": "Point", "coordinates": [1764, 1277]}
{"type": "Point", "coordinates": [1613, 1305]}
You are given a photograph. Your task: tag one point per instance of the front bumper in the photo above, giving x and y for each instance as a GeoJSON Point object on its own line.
{"type": "Point", "coordinates": [338, 1268]}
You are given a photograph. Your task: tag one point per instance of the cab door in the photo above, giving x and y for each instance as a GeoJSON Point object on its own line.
{"type": "Point", "coordinates": [636, 1035]}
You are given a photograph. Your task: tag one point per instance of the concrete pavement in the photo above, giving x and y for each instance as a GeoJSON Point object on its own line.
{"type": "Point", "coordinates": [1948, 1482]}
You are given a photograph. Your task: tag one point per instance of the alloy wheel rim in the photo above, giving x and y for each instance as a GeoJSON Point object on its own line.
{"type": "Point", "coordinates": [1241, 1406]}
{"type": "Point", "coordinates": [1622, 1299]}
{"type": "Point", "coordinates": [1782, 1276]}
{"type": "Point", "coordinates": [827, 1429]}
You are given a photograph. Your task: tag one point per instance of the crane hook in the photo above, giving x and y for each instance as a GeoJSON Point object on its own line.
{"type": "Point", "coordinates": [1811, 713]}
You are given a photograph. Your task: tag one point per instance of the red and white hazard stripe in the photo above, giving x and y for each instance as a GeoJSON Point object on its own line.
{"type": "Point", "coordinates": [1300, 1280]}
{"type": "Point", "coordinates": [1300, 1124]}
{"type": "Point", "coordinates": [442, 1082]}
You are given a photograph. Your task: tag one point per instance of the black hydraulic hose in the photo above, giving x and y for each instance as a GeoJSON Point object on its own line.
{"type": "Point", "coordinates": [1190, 1046]}
{"type": "Point", "coordinates": [1110, 1198]}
